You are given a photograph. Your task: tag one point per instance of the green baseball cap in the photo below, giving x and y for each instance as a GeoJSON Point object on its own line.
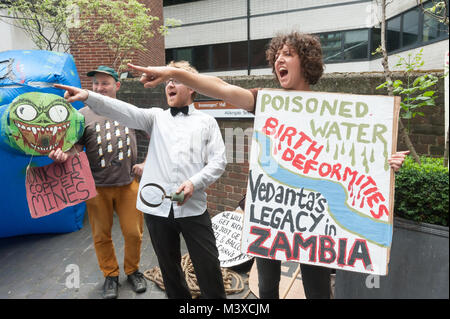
{"type": "Point", "coordinates": [106, 70]}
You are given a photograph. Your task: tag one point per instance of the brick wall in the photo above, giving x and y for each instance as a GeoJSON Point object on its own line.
{"type": "Point", "coordinates": [94, 53]}
{"type": "Point", "coordinates": [427, 132]}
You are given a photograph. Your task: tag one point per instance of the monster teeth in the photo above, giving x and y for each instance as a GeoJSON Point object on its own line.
{"type": "Point", "coordinates": [33, 129]}
{"type": "Point", "coordinates": [54, 130]}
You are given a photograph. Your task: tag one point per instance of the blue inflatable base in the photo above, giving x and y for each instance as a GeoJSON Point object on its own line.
{"type": "Point", "coordinates": [24, 71]}
{"type": "Point", "coordinates": [15, 218]}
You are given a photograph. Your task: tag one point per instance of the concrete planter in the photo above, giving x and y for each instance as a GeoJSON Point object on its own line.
{"type": "Point", "coordinates": [418, 267]}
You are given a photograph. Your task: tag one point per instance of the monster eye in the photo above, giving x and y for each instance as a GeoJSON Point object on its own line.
{"type": "Point", "coordinates": [26, 112]}
{"type": "Point", "coordinates": [58, 113]}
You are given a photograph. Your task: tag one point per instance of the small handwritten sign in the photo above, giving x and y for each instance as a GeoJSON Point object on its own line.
{"type": "Point", "coordinates": [55, 186]}
{"type": "Point", "coordinates": [227, 228]}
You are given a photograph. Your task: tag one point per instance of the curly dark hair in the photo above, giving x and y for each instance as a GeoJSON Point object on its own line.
{"type": "Point", "coordinates": [308, 49]}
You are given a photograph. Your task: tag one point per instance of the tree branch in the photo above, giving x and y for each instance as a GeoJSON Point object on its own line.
{"type": "Point", "coordinates": [388, 75]}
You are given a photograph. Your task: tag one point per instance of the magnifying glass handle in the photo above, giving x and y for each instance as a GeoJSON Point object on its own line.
{"type": "Point", "coordinates": [177, 197]}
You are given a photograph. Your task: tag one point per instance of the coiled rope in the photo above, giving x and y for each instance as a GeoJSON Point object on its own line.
{"type": "Point", "coordinates": [232, 281]}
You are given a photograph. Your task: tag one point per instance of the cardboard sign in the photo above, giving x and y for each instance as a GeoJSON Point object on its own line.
{"type": "Point", "coordinates": [227, 227]}
{"type": "Point", "coordinates": [55, 186]}
{"type": "Point", "coordinates": [320, 189]}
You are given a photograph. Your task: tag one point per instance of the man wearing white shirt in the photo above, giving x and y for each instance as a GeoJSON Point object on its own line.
{"type": "Point", "coordinates": [186, 153]}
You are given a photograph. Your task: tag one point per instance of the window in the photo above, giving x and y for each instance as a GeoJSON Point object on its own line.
{"type": "Point", "coordinates": [356, 44]}
{"type": "Point", "coordinates": [201, 57]}
{"type": "Point", "coordinates": [172, 2]}
{"type": "Point", "coordinates": [413, 28]}
{"type": "Point", "coordinates": [345, 45]}
{"type": "Point", "coordinates": [258, 53]}
{"type": "Point", "coordinates": [331, 46]}
{"type": "Point", "coordinates": [220, 56]}
{"type": "Point", "coordinates": [375, 43]}
{"type": "Point", "coordinates": [238, 55]}
{"type": "Point", "coordinates": [432, 29]}
{"type": "Point", "coordinates": [410, 27]}
{"type": "Point", "coordinates": [393, 36]}
{"type": "Point", "coordinates": [170, 55]}
{"type": "Point", "coordinates": [183, 54]}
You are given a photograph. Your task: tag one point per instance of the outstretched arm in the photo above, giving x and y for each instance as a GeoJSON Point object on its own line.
{"type": "Point", "coordinates": [204, 84]}
{"type": "Point", "coordinates": [125, 113]}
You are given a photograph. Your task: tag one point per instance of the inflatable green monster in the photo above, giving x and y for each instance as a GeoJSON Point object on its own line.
{"type": "Point", "coordinates": [37, 123]}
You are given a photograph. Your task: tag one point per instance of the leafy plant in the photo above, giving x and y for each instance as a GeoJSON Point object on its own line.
{"type": "Point", "coordinates": [415, 93]}
{"type": "Point", "coordinates": [422, 191]}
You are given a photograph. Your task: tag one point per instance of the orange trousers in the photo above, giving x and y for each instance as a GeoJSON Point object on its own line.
{"type": "Point", "coordinates": [122, 200]}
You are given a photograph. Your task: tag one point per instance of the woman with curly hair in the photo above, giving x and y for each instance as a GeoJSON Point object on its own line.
{"type": "Point", "coordinates": [296, 61]}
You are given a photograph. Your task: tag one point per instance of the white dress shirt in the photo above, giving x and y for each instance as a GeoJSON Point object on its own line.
{"type": "Point", "coordinates": [182, 147]}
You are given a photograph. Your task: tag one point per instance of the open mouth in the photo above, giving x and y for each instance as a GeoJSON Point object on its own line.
{"type": "Point", "coordinates": [282, 72]}
{"type": "Point", "coordinates": [43, 139]}
{"type": "Point", "coordinates": [172, 94]}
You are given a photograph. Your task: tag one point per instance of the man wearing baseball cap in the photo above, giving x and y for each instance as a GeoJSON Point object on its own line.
{"type": "Point", "coordinates": [105, 70]}
{"type": "Point", "coordinates": [112, 153]}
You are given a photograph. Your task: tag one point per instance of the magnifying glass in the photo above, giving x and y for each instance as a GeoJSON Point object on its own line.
{"type": "Point", "coordinates": [153, 195]}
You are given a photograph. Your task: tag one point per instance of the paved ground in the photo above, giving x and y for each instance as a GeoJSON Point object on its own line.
{"type": "Point", "coordinates": [38, 267]}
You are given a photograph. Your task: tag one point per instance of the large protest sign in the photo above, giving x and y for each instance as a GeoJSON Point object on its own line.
{"type": "Point", "coordinates": [320, 188]}
{"type": "Point", "coordinates": [55, 186]}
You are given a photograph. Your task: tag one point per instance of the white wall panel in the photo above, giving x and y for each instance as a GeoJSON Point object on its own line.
{"type": "Point", "coordinates": [267, 6]}
{"type": "Point", "coordinates": [200, 11]}
{"type": "Point", "coordinates": [230, 31]}
{"type": "Point", "coordinates": [311, 21]}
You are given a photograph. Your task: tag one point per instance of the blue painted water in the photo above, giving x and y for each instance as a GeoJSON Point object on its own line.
{"type": "Point", "coordinates": [378, 232]}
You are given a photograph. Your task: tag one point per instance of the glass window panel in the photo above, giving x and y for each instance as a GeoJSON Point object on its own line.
{"type": "Point", "coordinates": [172, 2]}
{"type": "Point", "coordinates": [183, 54]}
{"type": "Point", "coordinates": [356, 44]}
{"type": "Point", "coordinates": [169, 55]}
{"type": "Point", "coordinates": [410, 27]}
{"type": "Point", "coordinates": [431, 27]}
{"type": "Point", "coordinates": [200, 56]}
{"type": "Point", "coordinates": [258, 51]}
{"type": "Point", "coordinates": [376, 42]}
{"type": "Point", "coordinates": [239, 54]}
{"type": "Point", "coordinates": [393, 34]}
{"type": "Point", "coordinates": [331, 46]}
{"type": "Point", "coordinates": [220, 56]}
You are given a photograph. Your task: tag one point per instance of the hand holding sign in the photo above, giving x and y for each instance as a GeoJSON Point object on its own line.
{"type": "Point", "coordinates": [397, 159]}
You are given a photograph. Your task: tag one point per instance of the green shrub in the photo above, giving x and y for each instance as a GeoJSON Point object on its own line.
{"type": "Point", "coordinates": [421, 191]}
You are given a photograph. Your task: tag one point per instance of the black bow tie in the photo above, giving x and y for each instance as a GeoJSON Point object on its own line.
{"type": "Point", "coordinates": [175, 110]}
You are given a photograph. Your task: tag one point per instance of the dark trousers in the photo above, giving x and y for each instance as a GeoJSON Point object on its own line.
{"type": "Point", "coordinates": [316, 279]}
{"type": "Point", "coordinates": [201, 244]}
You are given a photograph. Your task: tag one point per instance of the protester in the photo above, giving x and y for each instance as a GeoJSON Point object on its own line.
{"type": "Point", "coordinates": [296, 61]}
{"type": "Point", "coordinates": [112, 153]}
{"type": "Point", "coordinates": [187, 155]}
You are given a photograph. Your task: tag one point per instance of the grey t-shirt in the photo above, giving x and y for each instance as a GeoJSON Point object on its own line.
{"type": "Point", "coordinates": [110, 148]}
